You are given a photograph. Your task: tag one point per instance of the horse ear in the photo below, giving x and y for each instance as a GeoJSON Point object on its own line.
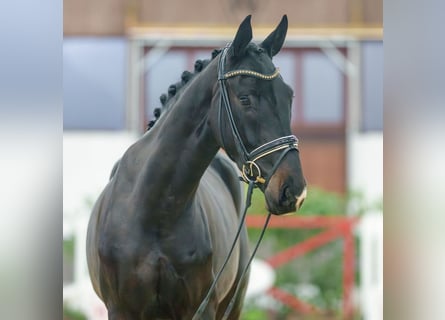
{"type": "Point", "coordinates": [242, 38]}
{"type": "Point", "coordinates": [273, 43]}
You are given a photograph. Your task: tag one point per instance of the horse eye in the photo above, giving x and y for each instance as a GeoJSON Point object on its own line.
{"type": "Point", "coordinates": [245, 101]}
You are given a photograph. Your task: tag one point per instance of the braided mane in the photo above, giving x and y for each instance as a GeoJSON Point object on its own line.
{"type": "Point", "coordinates": [175, 89]}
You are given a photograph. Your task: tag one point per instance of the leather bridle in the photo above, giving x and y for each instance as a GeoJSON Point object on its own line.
{"type": "Point", "coordinates": [251, 171]}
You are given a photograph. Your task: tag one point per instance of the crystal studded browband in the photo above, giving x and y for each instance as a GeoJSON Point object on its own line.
{"type": "Point", "coordinates": [251, 73]}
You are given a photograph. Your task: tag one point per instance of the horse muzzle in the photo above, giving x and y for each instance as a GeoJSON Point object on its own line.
{"type": "Point", "coordinates": [284, 196]}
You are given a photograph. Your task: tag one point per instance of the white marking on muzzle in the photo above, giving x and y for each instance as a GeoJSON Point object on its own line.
{"type": "Point", "coordinates": [301, 198]}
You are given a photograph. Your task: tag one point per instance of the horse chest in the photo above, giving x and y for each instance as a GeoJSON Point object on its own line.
{"type": "Point", "coordinates": [187, 243]}
{"type": "Point", "coordinates": [184, 243]}
{"type": "Point", "coordinates": [173, 269]}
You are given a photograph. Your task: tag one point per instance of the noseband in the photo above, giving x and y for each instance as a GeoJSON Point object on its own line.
{"type": "Point", "coordinates": [251, 171]}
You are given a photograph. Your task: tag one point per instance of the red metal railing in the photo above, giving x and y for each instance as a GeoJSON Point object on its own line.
{"type": "Point", "coordinates": [335, 227]}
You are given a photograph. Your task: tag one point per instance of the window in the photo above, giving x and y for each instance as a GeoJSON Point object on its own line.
{"type": "Point", "coordinates": [287, 63]}
{"type": "Point", "coordinates": [322, 89]}
{"type": "Point", "coordinates": [94, 83]}
{"type": "Point", "coordinates": [166, 71]}
{"type": "Point", "coordinates": [372, 84]}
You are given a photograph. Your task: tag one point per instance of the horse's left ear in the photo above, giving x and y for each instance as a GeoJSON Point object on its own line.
{"type": "Point", "coordinates": [273, 43]}
{"type": "Point", "coordinates": [242, 38]}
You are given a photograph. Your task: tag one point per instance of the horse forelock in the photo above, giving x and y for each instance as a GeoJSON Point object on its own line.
{"type": "Point", "coordinates": [258, 60]}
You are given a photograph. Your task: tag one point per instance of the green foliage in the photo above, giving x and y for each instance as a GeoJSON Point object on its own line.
{"type": "Point", "coordinates": [250, 312]}
{"type": "Point", "coordinates": [71, 314]}
{"type": "Point", "coordinates": [320, 269]}
{"type": "Point", "coordinates": [68, 248]}
{"type": "Point", "coordinates": [318, 202]}
{"type": "Point", "coordinates": [323, 203]}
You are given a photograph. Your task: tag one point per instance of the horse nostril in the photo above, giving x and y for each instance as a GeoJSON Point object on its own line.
{"type": "Point", "coordinates": [283, 194]}
{"type": "Point", "coordinates": [286, 197]}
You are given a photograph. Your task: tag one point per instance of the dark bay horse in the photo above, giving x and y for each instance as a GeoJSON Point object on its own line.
{"type": "Point", "coordinates": [164, 223]}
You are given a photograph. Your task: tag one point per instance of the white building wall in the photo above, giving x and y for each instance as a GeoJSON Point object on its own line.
{"type": "Point", "coordinates": [365, 165]}
{"type": "Point", "coordinates": [88, 158]}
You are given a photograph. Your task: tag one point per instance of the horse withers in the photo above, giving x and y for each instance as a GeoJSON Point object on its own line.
{"type": "Point", "coordinates": [163, 225]}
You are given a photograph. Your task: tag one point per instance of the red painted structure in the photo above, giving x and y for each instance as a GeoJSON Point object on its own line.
{"type": "Point", "coordinates": [335, 227]}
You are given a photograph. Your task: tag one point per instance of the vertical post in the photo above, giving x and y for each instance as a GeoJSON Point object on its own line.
{"type": "Point", "coordinates": [353, 114]}
{"type": "Point", "coordinates": [348, 270]}
{"type": "Point", "coordinates": [133, 114]}
{"type": "Point", "coordinates": [353, 73]}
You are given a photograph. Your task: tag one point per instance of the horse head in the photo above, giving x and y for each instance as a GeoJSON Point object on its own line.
{"type": "Point", "coordinates": [252, 117]}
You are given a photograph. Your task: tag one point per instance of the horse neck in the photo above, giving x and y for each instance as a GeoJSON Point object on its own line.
{"type": "Point", "coordinates": [182, 145]}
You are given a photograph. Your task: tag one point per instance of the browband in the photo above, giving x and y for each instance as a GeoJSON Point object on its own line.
{"type": "Point", "coordinates": [251, 73]}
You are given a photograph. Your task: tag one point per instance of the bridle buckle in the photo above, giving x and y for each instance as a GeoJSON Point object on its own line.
{"type": "Point", "coordinates": [251, 172]}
